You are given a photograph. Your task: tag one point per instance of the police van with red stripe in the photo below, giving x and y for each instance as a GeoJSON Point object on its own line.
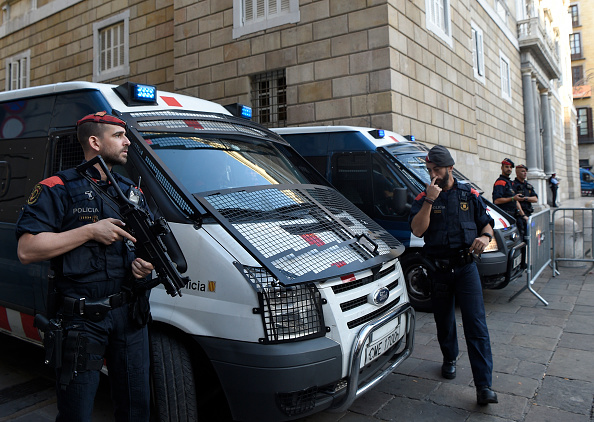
{"type": "Point", "coordinates": [295, 300]}
{"type": "Point", "coordinates": [382, 172]}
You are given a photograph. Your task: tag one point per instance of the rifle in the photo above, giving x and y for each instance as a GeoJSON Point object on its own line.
{"type": "Point", "coordinates": [148, 232]}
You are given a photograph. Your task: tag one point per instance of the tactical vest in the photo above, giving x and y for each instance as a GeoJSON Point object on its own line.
{"type": "Point", "coordinates": [452, 224]}
{"type": "Point", "coordinates": [92, 261]}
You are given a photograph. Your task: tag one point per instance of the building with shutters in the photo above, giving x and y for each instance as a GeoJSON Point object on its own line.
{"type": "Point", "coordinates": [582, 70]}
{"type": "Point", "coordinates": [488, 79]}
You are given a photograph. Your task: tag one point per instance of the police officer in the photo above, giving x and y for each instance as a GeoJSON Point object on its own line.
{"type": "Point", "coordinates": [67, 222]}
{"type": "Point", "coordinates": [504, 195]}
{"type": "Point", "coordinates": [453, 220]}
{"type": "Point", "coordinates": [527, 195]}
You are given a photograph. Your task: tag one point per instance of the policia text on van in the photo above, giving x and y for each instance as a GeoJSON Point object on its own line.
{"type": "Point", "coordinates": [382, 172]}
{"type": "Point", "coordinates": [304, 306]}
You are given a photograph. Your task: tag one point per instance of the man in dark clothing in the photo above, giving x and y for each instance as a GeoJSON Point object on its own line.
{"type": "Point", "coordinates": [453, 220]}
{"type": "Point", "coordinates": [527, 196]}
{"type": "Point", "coordinates": [554, 185]}
{"type": "Point", "coordinates": [67, 222]}
{"type": "Point", "coordinates": [504, 195]}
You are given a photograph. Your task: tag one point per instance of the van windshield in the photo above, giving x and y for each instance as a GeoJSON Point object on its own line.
{"type": "Point", "coordinates": [415, 163]}
{"type": "Point", "coordinates": [204, 164]}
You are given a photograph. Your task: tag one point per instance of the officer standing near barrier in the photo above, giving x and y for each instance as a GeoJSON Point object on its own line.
{"type": "Point", "coordinates": [454, 222]}
{"type": "Point", "coordinates": [67, 222]}
{"type": "Point", "coordinates": [527, 195]}
{"type": "Point", "coordinates": [504, 195]}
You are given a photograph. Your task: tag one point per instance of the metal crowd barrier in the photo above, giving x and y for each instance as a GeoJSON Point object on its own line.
{"type": "Point", "coordinates": [572, 237]}
{"type": "Point", "coordinates": [538, 250]}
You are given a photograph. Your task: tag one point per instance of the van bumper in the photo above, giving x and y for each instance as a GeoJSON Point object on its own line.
{"type": "Point", "coordinates": [282, 382]}
{"type": "Point", "coordinates": [498, 269]}
{"type": "Point", "coordinates": [276, 382]}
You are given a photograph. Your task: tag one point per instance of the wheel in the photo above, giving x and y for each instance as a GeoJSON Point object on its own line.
{"type": "Point", "coordinates": [417, 281]}
{"type": "Point", "coordinates": [173, 388]}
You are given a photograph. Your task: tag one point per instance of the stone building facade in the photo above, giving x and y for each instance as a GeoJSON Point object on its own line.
{"type": "Point", "coordinates": [582, 62]}
{"type": "Point", "coordinates": [446, 71]}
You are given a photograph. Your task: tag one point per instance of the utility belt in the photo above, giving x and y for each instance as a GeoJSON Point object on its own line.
{"type": "Point", "coordinates": [94, 310]}
{"type": "Point", "coordinates": [454, 259]}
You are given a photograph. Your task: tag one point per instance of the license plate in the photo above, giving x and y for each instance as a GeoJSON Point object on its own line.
{"type": "Point", "coordinates": [517, 261]}
{"type": "Point", "coordinates": [378, 347]}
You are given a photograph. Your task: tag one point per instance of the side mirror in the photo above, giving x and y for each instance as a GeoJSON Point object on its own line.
{"type": "Point", "coordinates": [401, 205]}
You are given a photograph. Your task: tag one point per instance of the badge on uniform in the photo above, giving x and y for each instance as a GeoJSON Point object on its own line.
{"type": "Point", "coordinates": [34, 194]}
{"type": "Point", "coordinates": [464, 206]}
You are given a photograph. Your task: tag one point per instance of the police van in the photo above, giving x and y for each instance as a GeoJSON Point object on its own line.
{"type": "Point", "coordinates": [296, 300]}
{"type": "Point", "coordinates": [382, 172]}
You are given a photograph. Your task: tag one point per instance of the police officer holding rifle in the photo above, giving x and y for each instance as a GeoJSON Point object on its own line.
{"type": "Point", "coordinates": [453, 220]}
{"type": "Point", "coordinates": [92, 255]}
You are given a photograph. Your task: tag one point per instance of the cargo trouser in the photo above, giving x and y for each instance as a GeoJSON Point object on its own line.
{"type": "Point", "coordinates": [462, 285]}
{"type": "Point", "coordinates": [127, 359]}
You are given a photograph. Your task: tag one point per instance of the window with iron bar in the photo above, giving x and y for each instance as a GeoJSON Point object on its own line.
{"type": "Point", "coordinates": [269, 98]}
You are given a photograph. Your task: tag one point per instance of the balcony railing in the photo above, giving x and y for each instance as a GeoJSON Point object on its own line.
{"type": "Point", "coordinates": [532, 36]}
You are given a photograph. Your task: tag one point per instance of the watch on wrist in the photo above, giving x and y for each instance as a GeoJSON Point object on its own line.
{"type": "Point", "coordinates": [489, 235]}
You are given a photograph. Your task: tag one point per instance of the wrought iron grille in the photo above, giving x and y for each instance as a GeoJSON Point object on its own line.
{"type": "Point", "coordinates": [269, 98]}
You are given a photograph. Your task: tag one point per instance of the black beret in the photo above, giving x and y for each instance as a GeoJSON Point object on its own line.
{"type": "Point", "coordinates": [521, 166]}
{"type": "Point", "coordinates": [507, 161]}
{"type": "Point", "coordinates": [440, 156]}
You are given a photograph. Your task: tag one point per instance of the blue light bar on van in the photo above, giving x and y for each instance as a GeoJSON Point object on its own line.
{"type": "Point", "coordinates": [410, 137]}
{"type": "Point", "coordinates": [137, 94]}
{"type": "Point", "coordinates": [239, 110]}
{"type": "Point", "coordinates": [144, 93]}
{"type": "Point", "coordinates": [378, 133]}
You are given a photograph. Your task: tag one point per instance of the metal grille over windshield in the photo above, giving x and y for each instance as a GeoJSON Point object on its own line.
{"type": "Point", "coordinates": [302, 232]}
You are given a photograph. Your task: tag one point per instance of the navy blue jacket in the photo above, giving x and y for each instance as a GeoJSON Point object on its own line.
{"type": "Point", "coordinates": [457, 217]}
{"type": "Point", "coordinates": [67, 201]}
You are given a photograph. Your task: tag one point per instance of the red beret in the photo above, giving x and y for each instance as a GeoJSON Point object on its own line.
{"type": "Point", "coordinates": [102, 117]}
{"type": "Point", "coordinates": [507, 161]}
{"type": "Point", "coordinates": [521, 166]}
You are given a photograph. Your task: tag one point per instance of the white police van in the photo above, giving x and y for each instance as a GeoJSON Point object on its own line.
{"type": "Point", "coordinates": [296, 300]}
{"type": "Point", "coordinates": [382, 172]}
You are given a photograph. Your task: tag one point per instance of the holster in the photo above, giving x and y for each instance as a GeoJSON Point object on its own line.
{"type": "Point", "coordinates": [52, 339]}
{"type": "Point", "coordinates": [75, 356]}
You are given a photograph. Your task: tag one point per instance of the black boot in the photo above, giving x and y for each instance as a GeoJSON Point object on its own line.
{"type": "Point", "coordinates": [484, 395]}
{"type": "Point", "coordinates": [448, 369]}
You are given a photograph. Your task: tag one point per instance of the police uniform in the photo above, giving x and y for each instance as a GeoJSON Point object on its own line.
{"type": "Point", "coordinates": [92, 282]}
{"type": "Point", "coordinates": [457, 218]}
{"type": "Point", "coordinates": [503, 188]}
{"type": "Point", "coordinates": [526, 189]}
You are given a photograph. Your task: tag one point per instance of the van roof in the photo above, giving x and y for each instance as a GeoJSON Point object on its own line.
{"type": "Point", "coordinates": [165, 100]}
{"type": "Point", "coordinates": [388, 139]}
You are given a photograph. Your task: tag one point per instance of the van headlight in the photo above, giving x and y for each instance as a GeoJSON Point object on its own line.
{"type": "Point", "coordinates": [289, 313]}
{"type": "Point", "coordinates": [492, 246]}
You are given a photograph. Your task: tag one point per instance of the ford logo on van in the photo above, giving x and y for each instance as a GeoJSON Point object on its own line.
{"type": "Point", "coordinates": [380, 296]}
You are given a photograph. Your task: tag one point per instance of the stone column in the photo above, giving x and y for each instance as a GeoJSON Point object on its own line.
{"type": "Point", "coordinates": [547, 136]}
{"type": "Point", "coordinates": [536, 113]}
{"type": "Point", "coordinates": [529, 121]}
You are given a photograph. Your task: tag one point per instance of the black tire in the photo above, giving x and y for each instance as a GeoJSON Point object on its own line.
{"type": "Point", "coordinates": [417, 281]}
{"type": "Point", "coordinates": [173, 387]}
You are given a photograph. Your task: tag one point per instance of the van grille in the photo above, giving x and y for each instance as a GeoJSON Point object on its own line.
{"type": "Point", "coordinates": [365, 280]}
{"type": "Point", "coordinates": [368, 317]}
